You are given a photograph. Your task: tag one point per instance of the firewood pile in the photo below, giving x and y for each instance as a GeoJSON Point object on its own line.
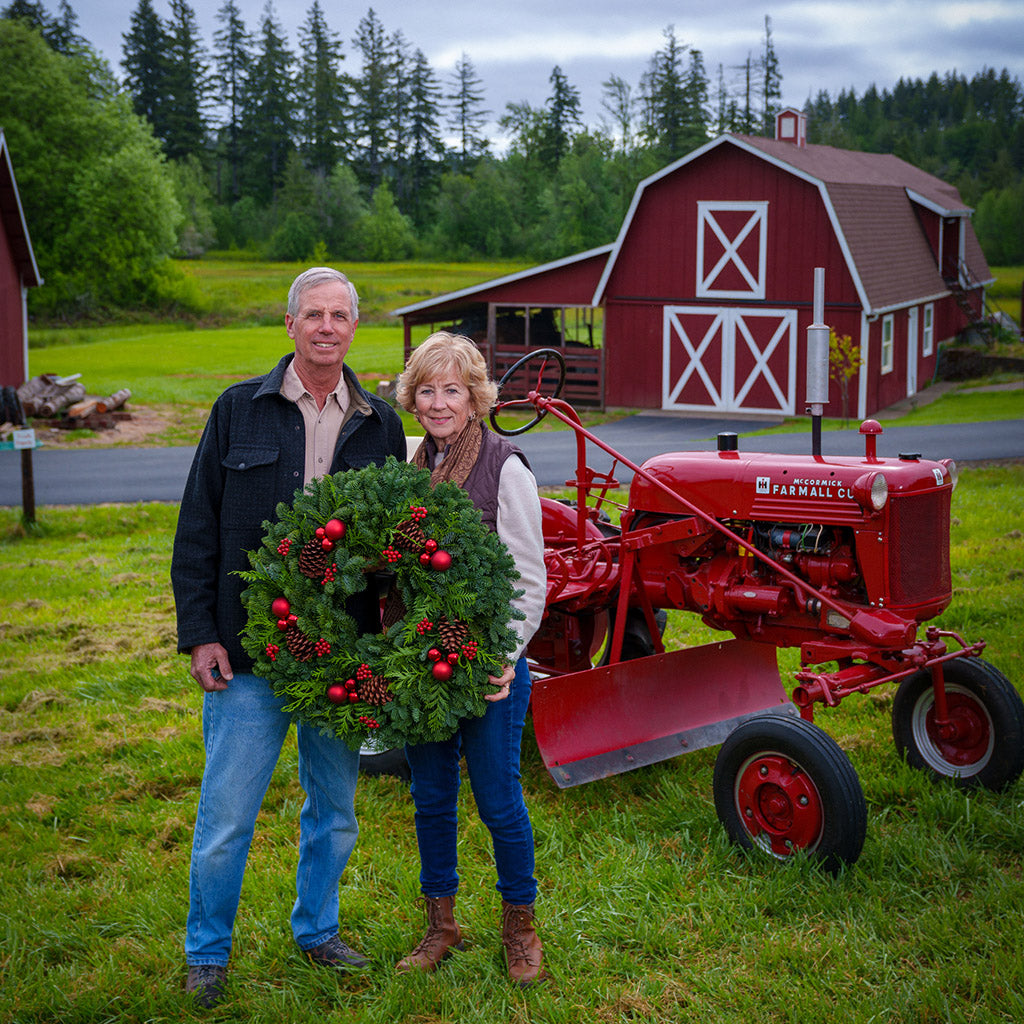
{"type": "Point", "coordinates": [55, 401]}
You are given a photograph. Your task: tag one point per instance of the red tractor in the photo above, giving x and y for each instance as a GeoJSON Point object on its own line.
{"type": "Point", "coordinates": [843, 558]}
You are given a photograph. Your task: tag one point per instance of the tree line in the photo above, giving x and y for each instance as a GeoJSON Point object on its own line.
{"type": "Point", "coordinates": [364, 152]}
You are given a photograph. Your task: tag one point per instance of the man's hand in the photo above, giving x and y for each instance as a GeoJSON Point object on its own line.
{"type": "Point", "coordinates": [503, 682]}
{"type": "Point", "coordinates": [210, 667]}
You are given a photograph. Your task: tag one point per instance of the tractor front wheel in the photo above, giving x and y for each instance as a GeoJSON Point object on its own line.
{"type": "Point", "coordinates": [982, 741]}
{"type": "Point", "coordinates": [782, 785]}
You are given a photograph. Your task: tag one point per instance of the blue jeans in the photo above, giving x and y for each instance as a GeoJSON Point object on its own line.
{"type": "Point", "coordinates": [491, 745]}
{"type": "Point", "coordinates": [243, 731]}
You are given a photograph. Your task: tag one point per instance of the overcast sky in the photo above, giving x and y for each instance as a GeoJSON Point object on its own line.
{"type": "Point", "coordinates": [514, 44]}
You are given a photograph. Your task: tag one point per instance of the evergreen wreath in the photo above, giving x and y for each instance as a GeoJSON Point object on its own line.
{"type": "Point", "coordinates": [446, 619]}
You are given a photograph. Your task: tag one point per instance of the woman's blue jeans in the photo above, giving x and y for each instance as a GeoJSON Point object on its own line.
{"type": "Point", "coordinates": [491, 745]}
{"type": "Point", "coordinates": [243, 731]}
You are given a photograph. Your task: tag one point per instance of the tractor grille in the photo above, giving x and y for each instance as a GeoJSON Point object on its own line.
{"type": "Point", "coordinates": [919, 547]}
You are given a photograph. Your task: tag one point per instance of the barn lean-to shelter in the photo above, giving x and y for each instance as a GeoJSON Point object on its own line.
{"type": "Point", "coordinates": [18, 273]}
{"type": "Point", "coordinates": [701, 304]}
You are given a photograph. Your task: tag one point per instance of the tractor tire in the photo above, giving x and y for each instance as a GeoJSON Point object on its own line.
{"type": "Point", "coordinates": [782, 785]}
{"type": "Point", "coordinates": [987, 747]}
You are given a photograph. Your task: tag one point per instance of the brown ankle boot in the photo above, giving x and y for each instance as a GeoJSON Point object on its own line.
{"type": "Point", "coordinates": [443, 935]}
{"type": "Point", "coordinates": [523, 951]}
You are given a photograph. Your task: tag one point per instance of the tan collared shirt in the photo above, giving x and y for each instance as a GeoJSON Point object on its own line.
{"type": "Point", "coordinates": [322, 425]}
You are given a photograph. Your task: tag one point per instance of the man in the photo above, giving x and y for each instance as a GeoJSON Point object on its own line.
{"type": "Point", "coordinates": [265, 438]}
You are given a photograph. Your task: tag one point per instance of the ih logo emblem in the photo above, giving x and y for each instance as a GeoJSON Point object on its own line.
{"type": "Point", "coordinates": [764, 484]}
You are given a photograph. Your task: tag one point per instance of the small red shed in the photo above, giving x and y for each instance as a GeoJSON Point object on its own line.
{"type": "Point", "coordinates": [18, 273]}
{"type": "Point", "coordinates": [708, 290]}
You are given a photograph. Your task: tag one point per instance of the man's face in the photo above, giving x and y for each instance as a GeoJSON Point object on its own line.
{"type": "Point", "coordinates": [323, 328]}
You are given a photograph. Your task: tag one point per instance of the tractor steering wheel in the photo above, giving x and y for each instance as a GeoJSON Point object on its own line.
{"type": "Point", "coordinates": [542, 353]}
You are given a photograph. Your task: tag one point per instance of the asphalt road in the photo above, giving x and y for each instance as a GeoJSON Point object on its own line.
{"type": "Point", "coordinates": [94, 476]}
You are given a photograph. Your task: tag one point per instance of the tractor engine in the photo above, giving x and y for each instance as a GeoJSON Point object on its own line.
{"type": "Point", "coordinates": [865, 533]}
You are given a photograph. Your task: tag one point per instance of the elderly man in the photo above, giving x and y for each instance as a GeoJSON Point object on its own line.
{"type": "Point", "coordinates": [265, 438]}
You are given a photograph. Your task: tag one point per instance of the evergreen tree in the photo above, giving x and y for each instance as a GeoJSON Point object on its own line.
{"type": "Point", "coordinates": [468, 115]}
{"type": "Point", "coordinates": [618, 101]}
{"type": "Point", "coordinates": [663, 96]}
{"type": "Point", "coordinates": [372, 114]}
{"type": "Point", "coordinates": [320, 93]}
{"type": "Point", "coordinates": [426, 147]}
{"type": "Point", "coordinates": [771, 82]}
{"type": "Point", "coordinates": [145, 66]}
{"type": "Point", "coordinates": [268, 117]}
{"type": "Point", "coordinates": [186, 85]}
{"type": "Point", "coordinates": [695, 102]}
{"type": "Point", "coordinates": [232, 57]}
{"type": "Point", "coordinates": [561, 121]}
{"type": "Point", "coordinates": [60, 32]}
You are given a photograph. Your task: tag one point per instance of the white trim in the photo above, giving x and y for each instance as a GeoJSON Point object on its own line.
{"type": "Point", "coordinates": [864, 376]}
{"type": "Point", "coordinates": [706, 210]}
{"type": "Point", "coordinates": [928, 329]}
{"type": "Point", "coordinates": [5, 153]}
{"type": "Point", "coordinates": [883, 369]}
{"type": "Point", "coordinates": [930, 204]}
{"type": "Point", "coordinates": [913, 349]}
{"type": "Point", "coordinates": [907, 303]}
{"type": "Point", "coordinates": [24, 331]}
{"type": "Point", "coordinates": [520, 275]}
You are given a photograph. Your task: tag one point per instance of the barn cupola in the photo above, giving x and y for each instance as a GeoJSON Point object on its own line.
{"type": "Point", "coordinates": [791, 126]}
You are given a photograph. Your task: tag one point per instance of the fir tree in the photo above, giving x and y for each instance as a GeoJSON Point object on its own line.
{"type": "Point", "coordinates": [145, 66]}
{"type": "Point", "coordinates": [186, 85]}
{"type": "Point", "coordinates": [467, 114]}
{"type": "Point", "coordinates": [232, 59]}
{"type": "Point", "coordinates": [320, 93]}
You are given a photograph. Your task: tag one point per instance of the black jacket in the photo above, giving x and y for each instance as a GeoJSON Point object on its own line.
{"type": "Point", "coordinates": [251, 456]}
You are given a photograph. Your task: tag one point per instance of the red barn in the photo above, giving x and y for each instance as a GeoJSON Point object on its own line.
{"type": "Point", "coordinates": [18, 273]}
{"type": "Point", "coordinates": [707, 292]}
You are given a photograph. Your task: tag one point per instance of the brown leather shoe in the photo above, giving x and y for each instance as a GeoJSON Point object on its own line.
{"type": "Point", "coordinates": [443, 935]}
{"type": "Point", "coordinates": [206, 984]}
{"type": "Point", "coordinates": [523, 951]}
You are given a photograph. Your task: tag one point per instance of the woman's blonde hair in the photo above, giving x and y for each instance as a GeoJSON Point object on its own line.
{"type": "Point", "coordinates": [441, 353]}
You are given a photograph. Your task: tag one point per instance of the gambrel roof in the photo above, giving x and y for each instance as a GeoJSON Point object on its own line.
{"type": "Point", "coordinates": [870, 199]}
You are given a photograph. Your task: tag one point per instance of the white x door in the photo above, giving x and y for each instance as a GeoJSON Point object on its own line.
{"type": "Point", "coordinates": [729, 359]}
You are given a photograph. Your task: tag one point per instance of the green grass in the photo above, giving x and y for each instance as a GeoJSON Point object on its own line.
{"type": "Point", "coordinates": [648, 914]}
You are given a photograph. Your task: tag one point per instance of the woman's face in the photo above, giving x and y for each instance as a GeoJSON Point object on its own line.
{"type": "Point", "coordinates": [443, 406]}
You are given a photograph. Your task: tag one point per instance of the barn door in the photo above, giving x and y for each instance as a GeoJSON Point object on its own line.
{"type": "Point", "coordinates": [729, 359]}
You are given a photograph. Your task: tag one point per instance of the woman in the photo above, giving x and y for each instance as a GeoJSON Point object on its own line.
{"type": "Point", "coordinates": [446, 387]}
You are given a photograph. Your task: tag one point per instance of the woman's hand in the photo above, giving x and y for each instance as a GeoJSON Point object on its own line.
{"type": "Point", "coordinates": [503, 682]}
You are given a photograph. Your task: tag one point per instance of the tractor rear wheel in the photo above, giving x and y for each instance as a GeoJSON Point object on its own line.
{"type": "Point", "coordinates": [982, 745]}
{"type": "Point", "coordinates": [782, 785]}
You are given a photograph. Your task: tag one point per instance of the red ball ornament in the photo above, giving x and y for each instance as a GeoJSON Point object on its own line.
{"type": "Point", "coordinates": [440, 561]}
{"type": "Point", "coordinates": [424, 559]}
{"type": "Point", "coordinates": [453, 658]}
{"type": "Point", "coordinates": [430, 546]}
{"type": "Point", "coordinates": [442, 671]}
{"type": "Point", "coordinates": [282, 624]}
{"type": "Point", "coordinates": [337, 694]}
{"type": "Point", "coordinates": [327, 545]}
{"type": "Point", "coordinates": [320, 533]}
{"type": "Point", "coordinates": [334, 529]}
{"type": "Point", "coordinates": [280, 607]}
{"type": "Point", "coordinates": [434, 654]}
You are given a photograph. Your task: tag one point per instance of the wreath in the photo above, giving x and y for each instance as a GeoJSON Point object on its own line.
{"type": "Point", "coordinates": [445, 619]}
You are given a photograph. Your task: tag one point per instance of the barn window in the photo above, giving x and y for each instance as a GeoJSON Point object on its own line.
{"type": "Point", "coordinates": [732, 239]}
{"type": "Point", "coordinates": [928, 330]}
{"type": "Point", "coordinates": [887, 347]}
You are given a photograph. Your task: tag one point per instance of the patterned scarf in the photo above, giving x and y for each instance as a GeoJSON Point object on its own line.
{"type": "Point", "coordinates": [459, 457]}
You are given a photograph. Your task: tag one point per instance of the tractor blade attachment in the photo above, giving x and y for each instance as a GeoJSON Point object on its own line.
{"type": "Point", "coordinates": [614, 718]}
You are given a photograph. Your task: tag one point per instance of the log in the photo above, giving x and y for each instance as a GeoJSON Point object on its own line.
{"type": "Point", "coordinates": [114, 401]}
{"type": "Point", "coordinates": [82, 409]}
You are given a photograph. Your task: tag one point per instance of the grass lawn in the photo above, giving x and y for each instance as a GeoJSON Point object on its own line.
{"type": "Point", "coordinates": [647, 912]}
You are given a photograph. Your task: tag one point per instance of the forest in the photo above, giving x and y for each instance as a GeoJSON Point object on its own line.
{"type": "Point", "coordinates": [359, 150]}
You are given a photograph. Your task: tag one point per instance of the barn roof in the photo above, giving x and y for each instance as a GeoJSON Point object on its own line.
{"type": "Point", "coordinates": [870, 200]}
{"type": "Point", "coordinates": [569, 281]}
{"type": "Point", "coordinates": [13, 218]}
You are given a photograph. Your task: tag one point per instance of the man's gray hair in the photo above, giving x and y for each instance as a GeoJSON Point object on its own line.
{"type": "Point", "coordinates": [319, 275]}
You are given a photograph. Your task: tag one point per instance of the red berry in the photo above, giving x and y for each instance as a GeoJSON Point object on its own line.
{"type": "Point", "coordinates": [440, 561]}
{"type": "Point", "coordinates": [442, 670]}
{"type": "Point", "coordinates": [280, 607]}
{"type": "Point", "coordinates": [334, 529]}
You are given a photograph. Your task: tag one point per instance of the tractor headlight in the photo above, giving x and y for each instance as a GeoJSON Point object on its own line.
{"type": "Point", "coordinates": [872, 491]}
{"type": "Point", "coordinates": [954, 473]}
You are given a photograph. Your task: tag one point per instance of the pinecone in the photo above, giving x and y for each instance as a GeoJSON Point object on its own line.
{"type": "Point", "coordinates": [453, 633]}
{"type": "Point", "coordinates": [313, 560]}
{"type": "Point", "coordinates": [375, 691]}
{"type": "Point", "coordinates": [300, 645]}
{"type": "Point", "coordinates": [409, 535]}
